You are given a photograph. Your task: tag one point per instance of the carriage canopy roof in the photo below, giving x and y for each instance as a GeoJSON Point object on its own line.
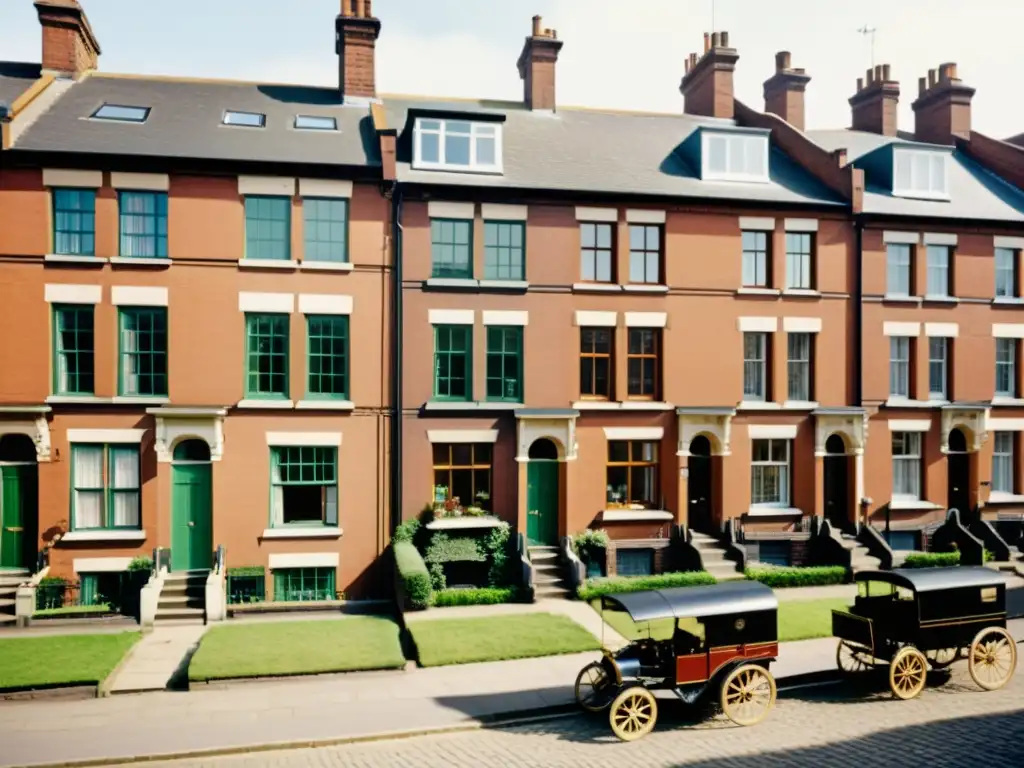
{"type": "Point", "coordinates": [736, 597]}
{"type": "Point", "coordinates": [935, 579]}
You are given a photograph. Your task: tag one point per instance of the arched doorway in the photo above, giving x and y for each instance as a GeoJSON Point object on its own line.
{"type": "Point", "coordinates": [699, 507]}
{"type": "Point", "coordinates": [837, 483]}
{"type": "Point", "coordinates": [19, 489]}
{"type": "Point", "coordinates": [191, 507]}
{"type": "Point", "coordinates": [542, 493]}
{"type": "Point", "coordinates": [958, 471]}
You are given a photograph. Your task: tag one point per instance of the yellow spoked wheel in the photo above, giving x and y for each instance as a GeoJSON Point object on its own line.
{"type": "Point", "coordinates": [748, 694]}
{"type": "Point", "coordinates": [594, 687]}
{"type": "Point", "coordinates": [942, 658]}
{"type": "Point", "coordinates": [992, 658]}
{"type": "Point", "coordinates": [633, 713]}
{"type": "Point", "coordinates": [907, 673]}
{"type": "Point", "coordinates": [852, 660]}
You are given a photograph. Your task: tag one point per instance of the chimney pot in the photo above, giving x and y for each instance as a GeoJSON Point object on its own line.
{"type": "Point", "coordinates": [885, 72]}
{"type": "Point", "coordinates": [784, 91]}
{"type": "Point", "coordinates": [536, 66]}
{"type": "Point", "coordinates": [724, 39]}
{"type": "Point", "coordinates": [932, 78]}
{"type": "Point", "coordinates": [716, 40]}
{"type": "Point", "coordinates": [878, 73]}
{"type": "Point", "coordinates": [922, 85]}
{"type": "Point", "coordinates": [952, 71]}
{"type": "Point", "coordinates": [346, 7]}
{"type": "Point", "coordinates": [707, 85]}
{"type": "Point", "coordinates": [942, 111]}
{"type": "Point", "coordinates": [707, 42]}
{"type": "Point", "coordinates": [860, 84]}
{"type": "Point", "coordinates": [782, 61]}
{"type": "Point", "coordinates": [875, 104]}
{"type": "Point", "coordinates": [361, 9]}
{"type": "Point", "coordinates": [536, 26]}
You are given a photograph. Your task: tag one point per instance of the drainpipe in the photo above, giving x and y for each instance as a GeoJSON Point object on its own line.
{"type": "Point", "coordinates": [858, 313]}
{"type": "Point", "coordinates": [396, 357]}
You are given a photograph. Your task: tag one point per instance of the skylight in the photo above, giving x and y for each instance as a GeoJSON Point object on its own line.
{"type": "Point", "coordinates": [245, 119]}
{"type": "Point", "coordinates": [316, 123]}
{"type": "Point", "coordinates": [457, 145]}
{"type": "Point", "coordinates": [727, 156]}
{"type": "Point", "coordinates": [920, 173]}
{"type": "Point", "coordinates": [121, 113]}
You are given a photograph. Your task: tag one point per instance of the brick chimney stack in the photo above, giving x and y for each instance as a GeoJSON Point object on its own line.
{"type": "Point", "coordinates": [356, 33]}
{"type": "Point", "coordinates": [537, 67]}
{"type": "Point", "coordinates": [784, 91]}
{"type": "Point", "coordinates": [707, 86]}
{"type": "Point", "coordinates": [874, 104]}
{"type": "Point", "coordinates": [69, 46]}
{"type": "Point", "coordinates": [942, 111]}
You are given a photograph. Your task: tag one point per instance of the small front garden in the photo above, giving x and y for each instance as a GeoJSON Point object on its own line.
{"type": "Point", "coordinates": [62, 660]}
{"type": "Point", "coordinates": [94, 594]}
{"type": "Point", "coordinates": [297, 648]}
{"type": "Point", "coordinates": [939, 559]}
{"type": "Point", "coordinates": [804, 576]}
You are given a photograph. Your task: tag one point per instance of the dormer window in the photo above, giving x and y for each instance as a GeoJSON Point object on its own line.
{"type": "Point", "coordinates": [457, 145]}
{"type": "Point", "coordinates": [920, 173]}
{"type": "Point", "coordinates": [245, 119]}
{"type": "Point", "coordinates": [727, 156]}
{"type": "Point", "coordinates": [121, 113]}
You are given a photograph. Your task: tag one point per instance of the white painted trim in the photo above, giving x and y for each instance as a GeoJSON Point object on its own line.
{"type": "Point", "coordinates": [150, 182]}
{"type": "Point", "coordinates": [325, 304]}
{"type": "Point", "coordinates": [438, 209]}
{"type": "Point", "coordinates": [100, 564]}
{"type": "Point", "coordinates": [506, 317]}
{"type": "Point", "coordinates": [105, 435]}
{"type": "Point", "coordinates": [801, 324]}
{"type": "Point", "coordinates": [1015, 243]}
{"type": "Point", "coordinates": [65, 293]}
{"type": "Point", "coordinates": [772, 432]}
{"type": "Point", "coordinates": [635, 515]}
{"type": "Point", "coordinates": [646, 319]}
{"type": "Point", "coordinates": [757, 223]}
{"type": "Point", "coordinates": [499, 212]}
{"type": "Point", "coordinates": [894, 328]}
{"type": "Point", "coordinates": [901, 238]}
{"type": "Point", "coordinates": [1005, 425]}
{"type": "Point", "coordinates": [462, 435]}
{"type": "Point", "coordinates": [138, 296]}
{"type": "Point", "coordinates": [302, 532]}
{"type": "Point", "coordinates": [305, 560]}
{"type": "Point", "coordinates": [325, 188]}
{"type": "Point", "coordinates": [105, 535]}
{"type": "Point", "coordinates": [939, 238]}
{"type": "Point", "coordinates": [910, 425]}
{"type": "Point", "coordinates": [450, 316]}
{"type": "Point", "coordinates": [1008, 330]}
{"type": "Point", "coordinates": [634, 433]}
{"type": "Point", "coordinates": [63, 177]}
{"type": "Point", "coordinates": [801, 225]}
{"type": "Point", "coordinates": [265, 405]}
{"type": "Point", "coordinates": [591, 319]}
{"type": "Point", "coordinates": [1001, 497]}
{"type": "Point", "coordinates": [304, 439]}
{"type": "Point", "coordinates": [644, 216]}
{"type": "Point", "coordinates": [268, 263]}
{"type": "Point", "coordinates": [907, 504]}
{"type": "Point", "coordinates": [327, 266]}
{"type": "Point", "coordinates": [769, 511]}
{"type": "Point", "coordinates": [325, 405]}
{"type": "Point", "coordinates": [942, 330]}
{"type": "Point", "coordinates": [273, 186]}
{"type": "Point", "coordinates": [758, 324]}
{"type": "Point", "coordinates": [610, 215]}
{"type": "Point", "coordinates": [266, 302]}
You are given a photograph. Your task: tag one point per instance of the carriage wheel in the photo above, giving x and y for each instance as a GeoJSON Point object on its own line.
{"type": "Point", "coordinates": [594, 687]}
{"type": "Point", "coordinates": [852, 660]}
{"type": "Point", "coordinates": [748, 694]}
{"type": "Point", "coordinates": [943, 657]}
{"type": "Point", "coordinates": [907, 673]}
{"type": "Point", "coordinates": [992, 658]}
{"type": "Point", "coordinates": [633, 713]}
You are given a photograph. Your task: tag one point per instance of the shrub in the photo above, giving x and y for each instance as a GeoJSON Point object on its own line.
{"type": "Point", "coordinates": [931, 559]}
{"type": "Point", "coordinates": [497, 547]}
{"type": "Point", "coordinates": [482, 596]}
{"type": "Point", "coordinates": [406, 531]}
{"type": "Point", "coordinates": [461, 549]}
{"type": "Point", "coordinates": [140, 564]}
{"type": "Point", "coordinates": [246, 570]}
{"type": "Point", "coordinates": [438, 580]}
{"type": "Point", "coordinates": [814, 576]}
{"type": "Point", "coordinates": [611, 585]}
{"type": "Point", "coordinates": [413, 573]}
{"type": "Point", "coordinates": [590, 539]}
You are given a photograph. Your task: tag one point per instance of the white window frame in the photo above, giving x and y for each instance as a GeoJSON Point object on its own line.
{"type": "Point", "coordinates": [1003, 475]}
{"type": "Point", "coordinates": [939, 363]}
{"type": "Point", "coordinates": [895, 345]}
{"type": "Point", "coordinates": [735, 146]}
{"type": "Point", "coordinates": [925, 173]}
{"type": "Point", "coordinates": [784, 476]}
{"type": "Point", "coordinates": [1010, 364]}
{"type": "Point", "coordinates": [476, 131]}
{"type": "Point", "coordinates": [939, 258]}
{"type": "Point", "coordinates": [894, 268]}
{"type": "Point", "coordinates": [762, 361]}
{"type": "Point", "coordinates": [910, 455]}
{"type": "Point", "coordinates": [1006, 285]}
{"type": "Point", "coordinates": [800, 265]}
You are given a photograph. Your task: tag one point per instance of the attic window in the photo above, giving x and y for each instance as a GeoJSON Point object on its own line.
{"type": "Point", "coordinates": [316, 123]}
{"type": "Point", "coordinates": [457, 145]}
{"type": "Point", "coordinates": [734, 156]}
{"type": "Point", "coordinates": [121, 113]}
{"type": "Point", "coordinates": [245, 119]}
{"type": "Point", "coordinates": [920, 173]}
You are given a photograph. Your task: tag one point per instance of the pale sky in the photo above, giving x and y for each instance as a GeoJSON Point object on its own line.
{"type": "Point", "coordinates": [625, 54]}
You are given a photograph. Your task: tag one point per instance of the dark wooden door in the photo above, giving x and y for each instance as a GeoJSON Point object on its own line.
{"type": "Point", "coordinates": [837, 491]}
{"type": "Point", "coordinates": [699, 509]}
{"type": "Point", "coordinates": [958, 470]}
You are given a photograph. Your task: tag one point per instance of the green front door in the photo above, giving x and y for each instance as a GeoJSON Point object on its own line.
{"type": "Point", "coordinates": [191, 517]}
{"type": "Point", "coordinates": [542, 502]}
{"type": "Point", "coordinates": [17, 513]}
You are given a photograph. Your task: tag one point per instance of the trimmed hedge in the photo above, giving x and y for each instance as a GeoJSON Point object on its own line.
{"type": "Point", "coordinates": [413, 573]}
{"type": "Point", "coordinates": [611, 585]}
{"type": "Point", "coordinates": [812, 576]}
{"type": "Point", "coordinates": [447, 598]}
{"type": "Point", "coordinates": [931, 559]}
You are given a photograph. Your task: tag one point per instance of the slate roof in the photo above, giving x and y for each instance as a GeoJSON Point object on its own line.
{"type": "Point", "coordinates": [185, 121]}
{"type": "Point", "coordinates": [975, 192]}
{"type": "Point", "coordinates": [15, 78]}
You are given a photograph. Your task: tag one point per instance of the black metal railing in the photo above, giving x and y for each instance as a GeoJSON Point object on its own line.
{"type": "Point", "coordinates": [219, 558]}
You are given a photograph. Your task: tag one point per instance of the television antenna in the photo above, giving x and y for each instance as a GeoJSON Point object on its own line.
{"type": "Point", "coordinates": [866, 31]}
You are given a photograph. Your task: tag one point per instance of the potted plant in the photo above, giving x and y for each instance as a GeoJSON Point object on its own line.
{"type": "Point", "coordinates": [590, 546]}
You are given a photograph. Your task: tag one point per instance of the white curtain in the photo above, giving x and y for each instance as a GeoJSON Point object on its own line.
{"type": "Point", "coordinates": [129, 360]}
{"type": "Point", "coordinates": [88, 468]}
{"type": "Point", "coordinates": [125, 484]}
{"type": "Point", "coordinates": [331, 505]}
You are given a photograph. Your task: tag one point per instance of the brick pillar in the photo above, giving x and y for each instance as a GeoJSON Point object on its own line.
{"type": "Point", "coordinates": [778, 357]}
{"type": "Point", "coordinates": [919, 360]}
{"type": "Point", "coordinates": [163, 506]}
{"type": "Point", "coordinates": [609, 562]}
{"type": "Point", "coordinates": [819, 486]}
{"type": "Point", "coordinates": [621, 254]}
{"type": "Point", "coordinates": [683, 475]}
{"type": "Point", "coordinates": [777, 254]}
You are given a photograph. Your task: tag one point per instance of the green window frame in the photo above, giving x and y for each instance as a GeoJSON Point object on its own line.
{"type": "Point", "coordinates": [74, 222]}
{"type": "Point", "coordinates": [327, 341]}
{"type": "Point", "coordinates": [303, 486]}
{"type": "Point", "coordinates": [453, 362]}
{"type": "Point", "coordinates": [106, 485]}
{"type": "Point", "coordinates": [325, 229]}
{"type": "Point", "coordinates": [74, 350]}
{"type": "Point", "coordinates": [143, 225]}
{"type": "Point", "coordinates": [303, 585]}
{"type": "Point", "coordinates": [100, 588]}
{"type": "Point", "coordinates": [266, 358]}
{"type": "Point", "coordinates": [451, 248]}
{"type": "Point", "coordinates": [268, 228]}
{"type": "Point", "coordinates": [142, 350]}
{"type": "Point", "coordinates": [505, 364]}
{"type": "Point", "coordinates": [504, 250]}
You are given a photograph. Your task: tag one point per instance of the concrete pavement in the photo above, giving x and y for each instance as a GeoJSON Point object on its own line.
{"type": "Point", "coordinates": [158, 658]}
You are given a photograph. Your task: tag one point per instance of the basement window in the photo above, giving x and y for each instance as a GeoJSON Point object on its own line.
{"type": "Point", "coordinates": [920, 173]}
{"type": "Point", "coordinates": [315, 123]}
{"type": "Point", "coordinates": [121, 113]}
{"type": "Point", "coordinates": [245, 119]}
{"type": "Point", "coordinates": [734, 156]}
{"type": "Point", "coordinates": [457, 145]}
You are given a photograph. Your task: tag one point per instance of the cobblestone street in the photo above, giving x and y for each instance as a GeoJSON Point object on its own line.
{"type": "Point", "coordinates": [954, 724]}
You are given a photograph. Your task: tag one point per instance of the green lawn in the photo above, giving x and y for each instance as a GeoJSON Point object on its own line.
{"type": "Point", "coordinates": [297, 648]}
{"type": "Point", "coordinates": [463, 641]}
{"type": "Point", "coordinates": [30, 662]}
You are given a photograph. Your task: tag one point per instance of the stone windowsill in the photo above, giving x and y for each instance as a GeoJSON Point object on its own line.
{"type": "Point", "coordinates": [645, 288]}
{"type": "Point", "coordinates": [128, 261]}
{"type": "Point", "coordinates": [327, 266]}
{"type": "Point", "coordinates": [596, 288]}
{"type": "Point", "coordinates": [464, 522]}
{"type": "Point", "coordinates": [303, 532]}
{"type": "Point", "coordinates": [60, 258]}
{"type": "Point", "coordinates": [998, 497]}
{"type": "Point", "coordinates": [799, 405]}
{"type": "Point", "coordinates": [325, 405]}
{"type": "Point", "coordinates": [79, 399]}
{"type": "Point", "coordinates": [470, 284]}
{"type": "Point", "coordinates": [1008, 300]}
{"type": "Point", "coordinates": [635, 515]}
{"type": "Point", "coordinates": [1001, 400]}
{"type": "Point", "coordinates": [903, 402]}
{"type": "Point", "coordinates": [469, 405]}
{"type": "Point", "coordinates": [757, 405]}
{"type": "Point", "coordinates": [767, 511]}
{"type": "Point", "coordinates": [106, 535]}
{"type": "Point", "coordinates": [268, 263]}
{"type": "Point", "coordinates": [941, 299]}
{"type": "Point", "coordinates": [265, 404]}
{"type": "Point", "coordinates": [622, 405]}
{"type": "Point", "coordinates": [140, 400]}
{"type": "Point", "coordinates": [912, 504]}
{"type": "Point", "coordinates": [503, 285]}
{"type": "Point", "coordinates": [802, 293]}
{"type": "Point", "coordinates": [753, 291]}
{"type": "Point", "coordinates": [901, 299]}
